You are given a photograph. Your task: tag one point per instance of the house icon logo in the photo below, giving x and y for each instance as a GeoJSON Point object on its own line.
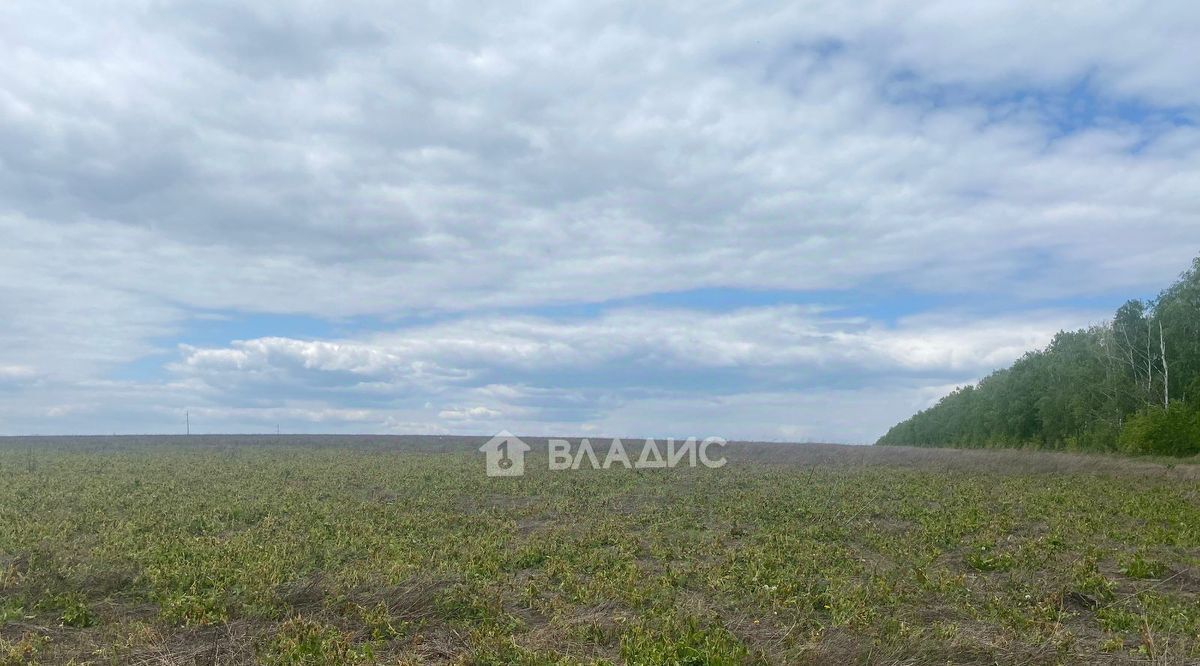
{"type": "Point", "coordinates": [505, 454]}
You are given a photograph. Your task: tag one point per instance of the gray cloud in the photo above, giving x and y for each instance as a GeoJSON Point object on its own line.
{"type": "Point", "coordinates": [545, 373]}
{"type": "Point", "coordinates": [337, 159]}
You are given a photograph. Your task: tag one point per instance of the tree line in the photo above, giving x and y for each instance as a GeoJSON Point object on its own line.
{"type": "Point", "coordinates": [1131, 384]}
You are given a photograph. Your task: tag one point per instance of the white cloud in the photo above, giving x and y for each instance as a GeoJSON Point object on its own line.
{"type": "Point", "coordinates": [558, 162]}
{"type": "Point", "coordinates": [339, 159]}
{"type": "Point", "coordinates": [768, 337]}
{"type": "Point", "coordinates": [614, 370]}
{"type": "Point", "coordinates": [469, 414]}
{"type": "Point", "coordinates": [16, 372]}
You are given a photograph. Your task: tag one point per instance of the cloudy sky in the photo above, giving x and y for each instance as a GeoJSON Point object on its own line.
{"type": "Point", "coordinates": [791, 223]}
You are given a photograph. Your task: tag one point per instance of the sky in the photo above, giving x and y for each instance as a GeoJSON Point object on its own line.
{"type": "Point", "coordinates": [795, 221]}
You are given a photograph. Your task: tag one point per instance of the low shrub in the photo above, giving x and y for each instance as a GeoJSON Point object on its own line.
{"type": "Point", "coordinates": [1170, 431]}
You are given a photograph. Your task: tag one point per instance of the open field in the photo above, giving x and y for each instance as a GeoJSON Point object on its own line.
{"type": "Point", "coordinates": [328, 550]}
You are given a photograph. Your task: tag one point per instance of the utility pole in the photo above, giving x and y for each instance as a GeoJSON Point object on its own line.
{"type": "Point", "coordinates": [187, 419]}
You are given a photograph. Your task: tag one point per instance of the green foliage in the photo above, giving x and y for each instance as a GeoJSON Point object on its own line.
{"type": "Point", "coordinates": [1119, 619]}
{"type": "Point", "coordinates": [76, 613]}
{"type": "Point", "coordinates": [1174, 431]}
{"type": "Point", "coordinates": [1140, 567]}
{"type": "Point", "coordinates": [1099, 389]}
{"type": "Point", "coordinates": [304, 642]}
{"type": "Point", "coordinates": [682, 643]}
{"type": "Point", "coordinates": [986, 559]}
